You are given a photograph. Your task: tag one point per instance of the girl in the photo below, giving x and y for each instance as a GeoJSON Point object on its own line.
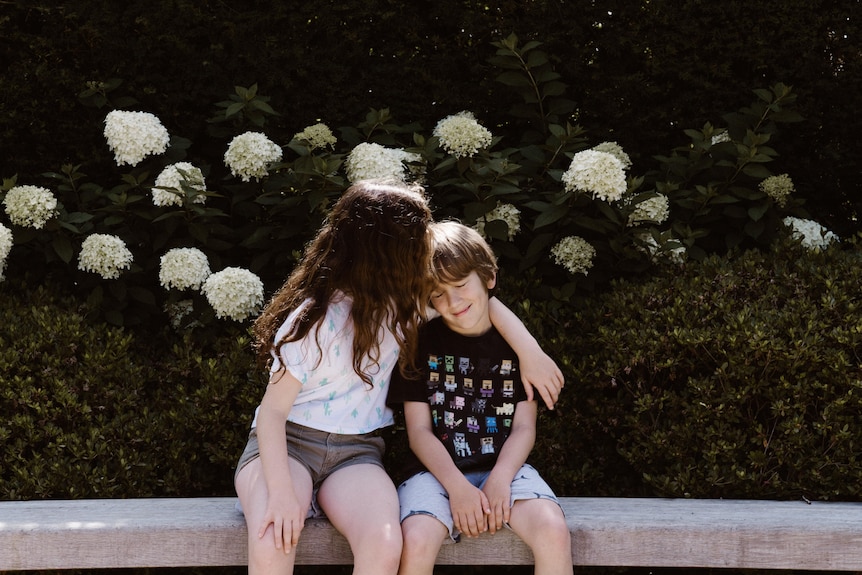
{"type": "Point", "coordinates": [335, 331]}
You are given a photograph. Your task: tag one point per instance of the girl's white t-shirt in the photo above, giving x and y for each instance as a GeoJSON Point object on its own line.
{"type": "Point", "coordinates": [333, 398]}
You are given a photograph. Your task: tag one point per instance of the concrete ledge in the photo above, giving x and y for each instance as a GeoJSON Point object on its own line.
{"type": "Point", "coordinates": [122, 533]}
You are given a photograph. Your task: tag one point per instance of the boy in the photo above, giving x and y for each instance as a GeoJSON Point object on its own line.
{"type": "Point", "coordinates": [469, 423]}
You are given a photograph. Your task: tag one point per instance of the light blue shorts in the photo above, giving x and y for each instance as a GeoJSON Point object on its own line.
{"type": "Point", "coordinates": [423, 494]}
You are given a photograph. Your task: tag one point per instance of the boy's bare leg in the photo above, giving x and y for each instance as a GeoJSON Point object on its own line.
{"type": "Point", "coordinates": [542, 526]}
{"type": "Point", "coordinates": [423, 537]}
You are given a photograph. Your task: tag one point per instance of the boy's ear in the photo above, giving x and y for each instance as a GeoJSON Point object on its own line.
{"type": "Point", "coordinates": [492, 283]}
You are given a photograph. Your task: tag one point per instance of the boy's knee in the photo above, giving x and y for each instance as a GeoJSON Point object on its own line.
{"type": "Point", "coordinates": [541, 517]}
{"type": "Point", "coordinates": [423, 535]}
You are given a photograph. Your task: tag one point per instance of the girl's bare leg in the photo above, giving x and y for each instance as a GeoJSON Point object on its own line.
{"type": "Point", "coordinates": [361, 502]}
{"type": "Point", "coordinates": [263, 557]}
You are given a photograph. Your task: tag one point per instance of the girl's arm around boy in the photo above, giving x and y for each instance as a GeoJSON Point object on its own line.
{"type": "Point", "coordinates": [538, 371]}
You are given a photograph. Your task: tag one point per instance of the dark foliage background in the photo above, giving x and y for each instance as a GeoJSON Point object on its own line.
{"type": "Point", "coordinates": [639, 71]}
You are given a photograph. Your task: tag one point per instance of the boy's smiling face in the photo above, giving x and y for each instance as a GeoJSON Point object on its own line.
{"type": "Point", "coordinates": [463, 304]}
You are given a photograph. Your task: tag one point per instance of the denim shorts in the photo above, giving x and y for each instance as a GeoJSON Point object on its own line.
{"type": "Point", "coordinates": [321, 453]}
{"type": "Point", "coordinates": [422, 494]}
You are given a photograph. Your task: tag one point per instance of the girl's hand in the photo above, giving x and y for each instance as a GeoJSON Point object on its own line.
{"type": "Point", "coordinates": [540, 372]}
{"type": "Point", "coordinates": [287, 518]}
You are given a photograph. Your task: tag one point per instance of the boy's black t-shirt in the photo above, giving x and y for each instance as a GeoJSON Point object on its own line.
{"type": "Point", "coordinates": [472, 385]}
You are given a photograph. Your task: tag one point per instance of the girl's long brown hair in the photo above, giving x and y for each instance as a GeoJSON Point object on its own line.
{"type": "Point", "coordinates": [374, 247]}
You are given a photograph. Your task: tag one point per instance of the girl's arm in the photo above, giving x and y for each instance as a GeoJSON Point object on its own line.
{"type": "Point", "coordinates": [284, 512]}
{"type": "Point", "coordinates": [538, 370]}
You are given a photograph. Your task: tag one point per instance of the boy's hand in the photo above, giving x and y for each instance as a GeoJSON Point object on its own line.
{"type": "Point", "coordinates": [470, 509]}
{"type": "Point", "coordinates": [540, 372]}
{"type": "Point", "coordinates": [498, 492]}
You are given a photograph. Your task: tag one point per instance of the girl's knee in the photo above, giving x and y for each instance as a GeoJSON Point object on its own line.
{"type": "Point", "coordinates": [264, 557]}
{"type": "Point", "coordinates": [378, 545]}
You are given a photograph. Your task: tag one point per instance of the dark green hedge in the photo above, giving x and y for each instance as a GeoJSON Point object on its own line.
{"type": "Point", "coordinates": [640, 71]}
{"type": "Point", "coordinates": [93, 411]}
{"type": "Point", "coordinates": [731, 377]}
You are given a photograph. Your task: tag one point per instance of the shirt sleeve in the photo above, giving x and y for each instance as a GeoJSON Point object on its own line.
{"type": "Point", "coordinates": [403, 389]}
{"type": "Point", "coordinates": [413, 387]}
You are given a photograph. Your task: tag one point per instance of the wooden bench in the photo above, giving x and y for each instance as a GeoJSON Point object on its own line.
{"type": "Point", "coordinates": [121, 533]}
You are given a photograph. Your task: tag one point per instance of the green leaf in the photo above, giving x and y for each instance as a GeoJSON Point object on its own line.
{"type": "Point", "coordinates": [764, 94]}
{"type": "Point", "coordinates": [514, 79]}
{"type": "Point", "coordinates": [497, 229]}
{"type": "Point", "coordinates": [62, 247]}
{"type": "Point", "coordinates": [262, 106]}
{"type": "Point", "coordinates": [553, 89]}
{"type": "Point", "coordinates": [551, 216]}
{"type": "Point", "coordinates": [758, 171]}
{"type": "Point", "coordinates": [142, 295]}
{"type": "Point", "coordinates": [757, 212]}
{"type": "Point", "coordinates": [539, 245]}
{"type": "Point", "coordinates": [234, 109]}
{"type": "Point", "coordinates": [475, 210]}
{"type": "Point", "coordinates": [78, 217]}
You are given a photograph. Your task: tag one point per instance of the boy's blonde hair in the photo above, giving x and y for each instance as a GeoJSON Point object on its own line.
{"type": "Point", "coordinates": [459, 250]}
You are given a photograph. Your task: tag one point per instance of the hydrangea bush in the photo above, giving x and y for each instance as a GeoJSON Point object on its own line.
{"type": "Point", "coordinates": [575, 215]}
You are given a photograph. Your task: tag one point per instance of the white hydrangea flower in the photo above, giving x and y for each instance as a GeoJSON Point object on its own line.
{"type": "Point", "coordinates": [461, 135]}
{"type": "Point", "coordinates": [317, 136]}
{"type": "Point", "coordinates": [105, 255]}
{"type": "Point", "coordinates": [811, 234]}
{"type": "Point", "coordinates": [370, 161]}
{"type": "Point", "coordinates": [719, 138]}
{"type": "Point", "coordinates": [599, 173]}
{"type": "Point", "coordinates": [183, 268]}
{"type": "Point", "coordinates": [173, 177]}
{"type": "Point", "coordinates": [30, 206]}
{"type": "Point", "coordinates": [178, 311]}
{"type": "Point", "coordinates": [505, 212]}
{"type": "Point", "coordinates": [778, 188]}
{"type": "Point", "coordinates": [133, 136]}
{"type": "Point", "coordinates": [654, 210]}
{"type": "Point", "coordinates": [616, 151]}
{"type": "Point", "coordinates": [5, 248]}
{"type": "Point", "coordinates": [655, 250]}
{"type": "Point", "coordinates": [235, 293]}
{"type": "Point", "coordinates": [575, 254]}
{"type": "Point", "coordinates": [250, 154]}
